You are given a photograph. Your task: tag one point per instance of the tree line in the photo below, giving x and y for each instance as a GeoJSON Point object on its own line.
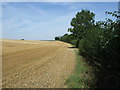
{"type": "Point", "coordinates": [99, 43]}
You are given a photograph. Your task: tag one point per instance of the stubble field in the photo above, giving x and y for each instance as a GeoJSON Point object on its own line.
{"type": "Point", "coordinates": [36, 64]}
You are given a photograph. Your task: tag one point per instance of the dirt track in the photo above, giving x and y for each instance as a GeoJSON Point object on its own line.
{"type": "Point", "coordinates": [36, 64]}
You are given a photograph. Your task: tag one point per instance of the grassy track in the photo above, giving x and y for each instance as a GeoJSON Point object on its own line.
{"type": "Point", "coordinates": [82, 76]}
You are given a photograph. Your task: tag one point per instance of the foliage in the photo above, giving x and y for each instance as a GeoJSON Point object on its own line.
{"type": "Point", "coordinates": [102, 47]}
{"type": "Point", "coordinates": [57, 38]}
{"type": "Point", "coordinates": [80, 24]}
{"type": "Point", "coordinates": [100, 43]}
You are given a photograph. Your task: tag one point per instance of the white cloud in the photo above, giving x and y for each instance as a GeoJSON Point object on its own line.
{"type": "Point", "coordinates": [33, 22]}
{"type": "Point", "coordinates": [14, 17]}
{"type": "Point", "coordinates": [21, 24]}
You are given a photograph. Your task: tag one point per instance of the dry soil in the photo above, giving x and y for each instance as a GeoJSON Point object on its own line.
{"type": "Point", "coordinates": [36, 64]}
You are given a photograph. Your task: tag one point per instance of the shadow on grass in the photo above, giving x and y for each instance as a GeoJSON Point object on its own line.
{"type": "Point", "coordinates": [89, 73]}
{"type": "Point", "coordinates": [106, 76]}
{"type": "Point", "coordinates": [71, 47]}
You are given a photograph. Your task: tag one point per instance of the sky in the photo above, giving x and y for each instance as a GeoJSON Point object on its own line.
{"type": "Point", "coordinates": [46, 20]}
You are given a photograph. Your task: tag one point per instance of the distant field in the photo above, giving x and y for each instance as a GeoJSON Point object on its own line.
{"type": "Point", "coordinates": [36, 64]}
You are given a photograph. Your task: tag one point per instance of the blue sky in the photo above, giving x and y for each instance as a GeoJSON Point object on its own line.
{"type": "Point", "coordinates": [45, 20]}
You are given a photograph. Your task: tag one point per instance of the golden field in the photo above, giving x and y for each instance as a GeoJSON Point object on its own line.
{"type": "Point", "coordinates": [36, 64]}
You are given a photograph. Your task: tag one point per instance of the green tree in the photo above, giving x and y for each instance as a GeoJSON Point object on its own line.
{"type": "Point", "coordinates": [83, 21]}
{"type": "Point", "coordinates": [101, 46]}
{"type": "Point", "coordinates": [57, 38]}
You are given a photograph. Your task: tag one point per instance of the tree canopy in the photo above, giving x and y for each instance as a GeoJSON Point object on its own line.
{"type": "Point", "coordinates": [99, 42]}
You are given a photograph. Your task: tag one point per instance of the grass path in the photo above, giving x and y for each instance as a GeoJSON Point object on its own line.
{"type": "Point", "coordinates": [82, 76]}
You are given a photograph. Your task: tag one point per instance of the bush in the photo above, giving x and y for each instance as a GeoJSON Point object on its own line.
{"type": "Point", "coordinates": [101, 46]}
{"type": "Point", "coordinates": [100, 43]}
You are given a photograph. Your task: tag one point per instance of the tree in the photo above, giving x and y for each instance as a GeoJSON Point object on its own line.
{"type": "Point", "coordinates": [57, 38]}
{"type": "Point", "coordinates": [80, 24]}
{"type": "Point", "coordinates": [101, 45]}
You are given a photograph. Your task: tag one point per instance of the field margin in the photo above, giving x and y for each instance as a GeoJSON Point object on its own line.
{"type": "Point", "coordinates": [82, 76]}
